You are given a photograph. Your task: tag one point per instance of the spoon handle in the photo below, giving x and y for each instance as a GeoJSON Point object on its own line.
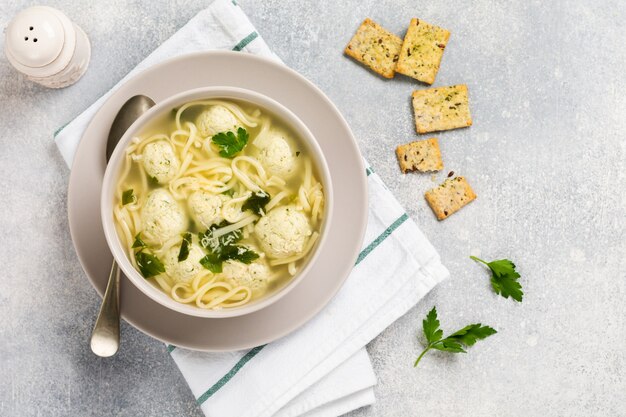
{"type": "Point", "coordinates": [105, 338]}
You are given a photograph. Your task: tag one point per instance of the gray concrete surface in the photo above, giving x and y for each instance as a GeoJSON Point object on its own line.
{"type": "Point", "coordinates": [546, 156]}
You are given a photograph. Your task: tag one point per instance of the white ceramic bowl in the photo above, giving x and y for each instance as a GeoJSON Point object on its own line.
{"type": "Point", "coordinates": [113, 170]}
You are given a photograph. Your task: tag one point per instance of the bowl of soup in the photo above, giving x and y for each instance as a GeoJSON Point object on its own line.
{"type": "Point", "coordinates": [216, 201]}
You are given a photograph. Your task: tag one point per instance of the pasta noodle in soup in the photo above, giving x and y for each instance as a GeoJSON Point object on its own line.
{"type": "Point", "coordinates": [218, 203]}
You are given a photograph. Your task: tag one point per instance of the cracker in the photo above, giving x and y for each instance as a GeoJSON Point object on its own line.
{"type": "Point", "coordinates": [421, 155]}
{"type": "Point", "coordinates": [441, 108]}
{"type": "Point", "coordinates": [422, 50]}
{"type": "Point", "coordinates": [452, 195]}
{"type": "Point", "coordinates": [375, 47]}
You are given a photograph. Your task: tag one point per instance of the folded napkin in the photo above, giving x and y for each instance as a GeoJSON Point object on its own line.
{"type": "Point", "coordinates": [322, 369]}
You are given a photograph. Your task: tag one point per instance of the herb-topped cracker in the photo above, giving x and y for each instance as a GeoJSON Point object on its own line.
{"type": "Point", "coordinates": [441, 108]}
{"type": "Point", "coordinates": [422, 50]}
{"type": "Point", "coordinates": [421, 155]}
{"type": "Point", "coordinates": [376, 47]}
{"type": "Point", "coordinates": [450, 197]}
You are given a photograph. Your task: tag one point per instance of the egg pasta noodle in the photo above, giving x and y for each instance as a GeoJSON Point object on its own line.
{"type": "Point", "coordinates": [247, 222]}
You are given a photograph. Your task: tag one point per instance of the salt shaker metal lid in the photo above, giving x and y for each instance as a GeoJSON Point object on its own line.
{"type": "Point", "coordinates": [41, 42]}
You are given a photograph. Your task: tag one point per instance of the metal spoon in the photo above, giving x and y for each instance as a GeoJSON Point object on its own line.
{"type": "Point", "coordinates": [105, 337]}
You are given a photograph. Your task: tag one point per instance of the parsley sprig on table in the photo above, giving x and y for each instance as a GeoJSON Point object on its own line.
{"type": "Point", "coordinates": [504, 279]}
{"type": "Point", "coordinates": [229, 143]}
{"type": "Point", "coordinates": [457, 342]}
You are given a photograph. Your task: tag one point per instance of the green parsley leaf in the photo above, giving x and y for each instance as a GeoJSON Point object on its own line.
{"type": "Point", "coordinates": [128, 197]}
{"type": "Point", "coordinates": [148, 264]}
{"type": "Point", "coordinates": [257, 202]}
{"type": "Point", "coordinates": [470, 334]}
{"type": "Point", "coordinates": [230, 144]}
{"type": "Point", "coordinates": [431, 327]}
{"type": "Point", "coordinates": [223, 248]}
{"type": "Point", "coordinates": [457, 342]}
{"type": "Point", "coordinates": [212, 262]}
{"type": "Point", "coordinates": [239, 253]}
{"type": "Point", "coordinates": [184, 247]}
{"type": "Point", "coordinates": [504, 279]}
{"type": "Point", "coordinates": [138, 242]}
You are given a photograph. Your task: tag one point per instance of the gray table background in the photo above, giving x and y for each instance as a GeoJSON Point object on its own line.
{"type": "Point", "coordinates": [546, 156]}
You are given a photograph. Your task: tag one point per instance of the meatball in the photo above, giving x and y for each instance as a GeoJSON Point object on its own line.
{"type": "Point", "coordinates": [186, 270]}
{"type": "Point", "coordinates": [162, 217]}
{"type": "Point", "coordinates": [206, 208]}
{"type": "Point", "coordinates": [215, 120]}
{"type": "Point", "coordinates": [283, 232]}
{"type": "Point", "coordinates": [254, 276]}
{"type": "Point", "coordinates": [160, 161]}
{"type": "Point", "coordinates": [276, 155]}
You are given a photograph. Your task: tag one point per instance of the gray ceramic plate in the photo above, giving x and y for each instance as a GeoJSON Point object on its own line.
{"type": "Point", "coordinates": [336, 258]}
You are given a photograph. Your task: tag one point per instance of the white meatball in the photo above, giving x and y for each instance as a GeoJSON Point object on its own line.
{"type": "Point", "coordinates": [283, 232]}
{"type": "Point", "coordinates": [162, 217]}
{"type": "Point", "coordinates": [206, 208]}
{"type": "Point", "coordinates": [217, 119]}
{"type": "Point", "coordinates": [160, 161]}
{"type": "Point", "coordinates": [255, 276]}
{"type": "Point", "coordinates": [276, 155]}
{"type": "Point", "coordinates": [183, 271]}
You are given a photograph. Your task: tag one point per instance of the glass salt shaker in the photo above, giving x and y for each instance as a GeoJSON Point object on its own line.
{"type": "Point", "coordinates": [43, 44]}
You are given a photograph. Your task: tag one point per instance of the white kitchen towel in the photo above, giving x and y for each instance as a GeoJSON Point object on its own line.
{"type": "Point", "coordinates": [322, 369]}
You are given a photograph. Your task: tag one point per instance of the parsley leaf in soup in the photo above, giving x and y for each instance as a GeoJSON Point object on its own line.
{"type": "Point", "coordinates": [504, 278]}
{"type": "Point", "coordinates": [148, 264]}
{"type": "Point", "coordinates": [138, 242]}
{"type": "Point", "coordinates": [128, 197]}
{"type": "Point", "coordinates": [239, 253]}
{"type": "Point", "coordinates": [229, 143]}
{"type": "Point", "coordinates": [212, 262]}
{"type": "Point", "coordinates": [184, 247]}
{"type": "Point", "coordinates": [257, 202]}
{"type": "Point", "coordinates": [223, 248]}
{"type": "Point", "coordinates": [247, 256]}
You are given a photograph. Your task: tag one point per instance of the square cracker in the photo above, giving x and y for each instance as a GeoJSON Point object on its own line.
{"type": "Point", "coordinates": [375, 47]}
{"type": "Point", "coordinates": [422, 50]}
{"type": "Point", "coordinates": [441, 108]}
{"type": "Point", "coordinates": [421, 155]}
{"type": "Point", "coordinates": [450, 197]}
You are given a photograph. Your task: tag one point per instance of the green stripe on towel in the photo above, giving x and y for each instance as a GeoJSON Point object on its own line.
{"type": "Point", "coordinates": [369, 171]}
{"type": "Point", "coordinates": [56, 132]}
{"type": "Point", "coordinates": [245, 41]}
{"type": "Point", "coordinates": [219, 384]}
{"type": "Point", "coordinates": [380, 239]}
